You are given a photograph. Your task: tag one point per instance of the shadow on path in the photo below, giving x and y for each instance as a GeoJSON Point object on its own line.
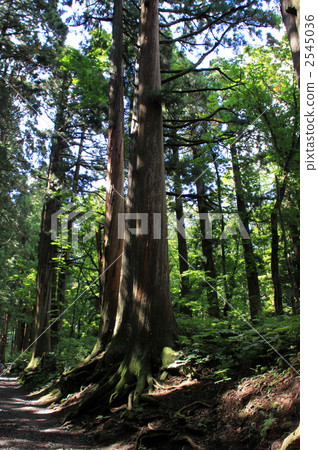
{"type": "Point", "coordinates": [24, 424]}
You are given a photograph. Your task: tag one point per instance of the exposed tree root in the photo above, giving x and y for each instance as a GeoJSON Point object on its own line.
{"type": "Point", "coordinates": [179, 414]}
{"type": "Point", "coordinates": [118, 375]}
{"type": "Point", "coordinates": [130, 380]}
{"type": "Point", "coordinates": [151, 437]}
{"type": "Point", "coordinates": [95, 370]}
{"type": "Point", "coordinates": [292, 441]}
{"type": "Point", "coordinates": [72, 381]}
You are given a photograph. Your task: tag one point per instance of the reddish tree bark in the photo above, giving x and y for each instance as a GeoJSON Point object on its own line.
{"type": "Point", "coordinates": [290, 13]}
{"type": "Point", "coordinates": [113, 244]}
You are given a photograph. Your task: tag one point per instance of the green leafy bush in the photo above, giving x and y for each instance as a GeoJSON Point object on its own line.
{"type": "Point", "coordinates": [226, 348]}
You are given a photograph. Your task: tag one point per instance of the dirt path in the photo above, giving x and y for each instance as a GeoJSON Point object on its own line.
{"type": "Point", "coordinates": [24, 424]}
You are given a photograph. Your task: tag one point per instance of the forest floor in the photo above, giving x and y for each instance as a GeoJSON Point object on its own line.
{"type": "Point", "coordinates": [256, 413]}
{"type": "Point", "coordinates": [184, 412]}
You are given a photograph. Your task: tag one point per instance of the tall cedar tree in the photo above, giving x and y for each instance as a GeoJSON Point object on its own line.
{"type": "Point", "coordinates": [151, 319]}
{"type": "Point", "coordinates": [113, 243]}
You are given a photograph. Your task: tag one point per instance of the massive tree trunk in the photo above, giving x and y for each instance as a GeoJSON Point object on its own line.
{"type": "Point", "coordinates": [151, 319]}
{"type": "Point", "coordinates": [113, 244]}
{"type": "Point", "coordinates": [114, 268]}
{"type": "Point", "coordinates": [207, 246]}
{"type": "Point", "coordinates": [290, 11]}
{"type": "Point", "coordinates": [250, 264]}
{"type": "Point", "coordinates": [152, 315]}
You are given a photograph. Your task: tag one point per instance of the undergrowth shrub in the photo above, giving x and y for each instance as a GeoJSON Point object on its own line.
{"type": "Point", "coordinates": [227, 348]}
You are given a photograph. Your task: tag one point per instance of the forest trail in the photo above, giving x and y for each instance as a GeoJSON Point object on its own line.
{"type": "Point", "coordinates": [25, 424]}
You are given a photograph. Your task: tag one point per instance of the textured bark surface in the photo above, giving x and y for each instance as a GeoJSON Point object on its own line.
{"type": "Point", "coordinates": [144, 313]}
{"type": "Point", "coordinates": [291, 15]}
{"type": "Point", "coordinates": [152, 315]}
{"type": "Point", "coordinates": [113, 246]}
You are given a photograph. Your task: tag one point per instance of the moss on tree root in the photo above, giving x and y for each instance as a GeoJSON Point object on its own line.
{"type": "Point", "coordinates": [94, 370]}
{"type": "Point", "coordinates": [130, 380]}
{"type": "Point", "coordinates": [123, 383]}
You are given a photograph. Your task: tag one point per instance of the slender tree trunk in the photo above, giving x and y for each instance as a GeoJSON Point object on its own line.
{"type": "Point", "coordinates": [19, 330]}
{"type": "Point", "coordinates": [294, 288]}
{"type": "Point", "coordinates": [30, 330]}
{"type": "Point", "coordinates": [223, 257]}
{"type": "Point", "coordinates": [45, 279]}
{"type": "Point", "coordinates": [4, 338]}
{"type": "Point", "coordinates": [58, 299]}
{"type": "Point", "coordinates": [291, 14]}
{"type": "Point", "coordinates": [182, 251]}
{"type": "Point", "coordinates": [122, 330]}
{"type": "Point", "coordinates": [293, 226]}
{"type": "Point", "coordinates": [278, 296]}
{"type": "Point", "coordinates": [20, 334]}
{"type": "Point", "coordinates": [58, 302]}
{"type": "Point", "coordinates": [296, 262]}
{"type": "Point", "coordinates": [113, 244]}
{"type": "Point", "coordinates": [182, 243]}
{"type": "Point", "coordinates": [78, 163]}
{"type": "Point", "coordinates": [46, 276]}
{"type": "Point", "coordinates": [250, 264]}
{"type": "Point", "coordinates": [207, 247]}
{"type": "Point", "coordinates": [99, 249]}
